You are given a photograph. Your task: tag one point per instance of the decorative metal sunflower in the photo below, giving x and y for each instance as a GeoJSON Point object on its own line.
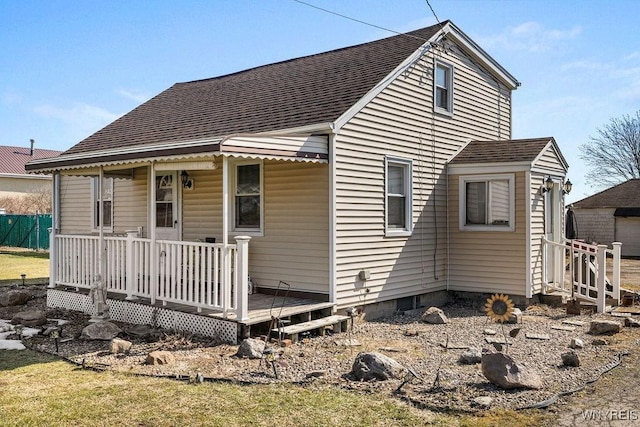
{"type": "Point", "coordinates": [499, 307]}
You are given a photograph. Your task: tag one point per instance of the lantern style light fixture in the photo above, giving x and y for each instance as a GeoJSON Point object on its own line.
{"type": "Point", "coordinates": [566, 187]}
{"type": "Point", "coordinates": [548, 185]}
{"type": "Point", "coordinates": [187, 181]}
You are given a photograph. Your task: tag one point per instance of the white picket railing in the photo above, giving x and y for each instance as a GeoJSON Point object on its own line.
{"type": "Point", "coordinates": [197, 274]}
{"type": "Point", "coordinates": [587, 269]}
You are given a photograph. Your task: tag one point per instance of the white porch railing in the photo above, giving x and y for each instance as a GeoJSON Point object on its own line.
{"type": "Point", "coordinates": [583, 267]}
{"type": "Point", "coordinates": [202, 275]}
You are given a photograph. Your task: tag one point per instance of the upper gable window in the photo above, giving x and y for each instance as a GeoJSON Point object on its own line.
{"type": "Point", "coordinates": [487, 203]}
{"type": "Point", "coordinates": [443, 88]}
{"type": "Point", "coordinates": [398, 197]}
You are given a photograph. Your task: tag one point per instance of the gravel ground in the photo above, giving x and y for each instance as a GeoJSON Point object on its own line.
{"type": "Point", "coordinates": [324, 361]}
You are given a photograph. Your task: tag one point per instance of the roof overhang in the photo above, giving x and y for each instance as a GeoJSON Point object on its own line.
{"type": "Point", "coordinates": [305, 148]}
{"type": "Point", "coordinates": [25, 176]}
{"type": "Point", "coordinates": [627, 212]}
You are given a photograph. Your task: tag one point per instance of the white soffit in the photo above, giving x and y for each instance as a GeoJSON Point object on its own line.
{"type": "Point", "coordinates": [306, 148]}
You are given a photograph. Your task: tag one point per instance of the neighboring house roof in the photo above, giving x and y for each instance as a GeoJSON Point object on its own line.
{"type": "Point", "coordinates": [625, 195]}
{"type": "Point", "coordinates": [302, 93]}
{"type": "Point", "coordinates": [13, 159]}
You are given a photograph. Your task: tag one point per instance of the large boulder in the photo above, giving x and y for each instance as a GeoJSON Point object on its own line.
{"type": "Point", "coordinates": [434, 316]}
{"type": "Point", "coordinates": [602, 327]}
{"type": "Point", "coordinates": [15, 297]}
{"type": "Point", "coordinates": [160, 358]}
{"type": "Point", "coordinates": [105, 331]}
{"type": "Point", "coordinates": [250, 348]}
{"type": "Point", "coordinates": [500, 369]}
{"type": "Point", "coordinates": [376, 366]}
{"type": "Point", "coordinates": [29, 318]}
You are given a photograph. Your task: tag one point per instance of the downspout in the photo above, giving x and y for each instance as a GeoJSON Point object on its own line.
{"type": "Point", "coordinates": [333, 261]}
{"type": "Point", "coordinates": [446, 169]}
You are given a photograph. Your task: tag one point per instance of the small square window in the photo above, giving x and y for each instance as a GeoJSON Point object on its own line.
{"type": "Point", "coordinates": [487, 203]}
{"type": "Point", "coordinates": [443, 88]}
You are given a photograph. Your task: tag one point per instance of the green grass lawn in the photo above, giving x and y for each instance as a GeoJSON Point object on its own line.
{"type": "Point", "coordinates": [40, 390]}
{"type": "Point", "coordinates": [14, 263]}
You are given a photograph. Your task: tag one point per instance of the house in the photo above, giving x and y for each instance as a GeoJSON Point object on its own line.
{"type": "Point", "coordinates": [15, 183]}
{"type": "Point", "coordinates": [612, 215]}
{"type": "Point", "coordinates": [380, 176]}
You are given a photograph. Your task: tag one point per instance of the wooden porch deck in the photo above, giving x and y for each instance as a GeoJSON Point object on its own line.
{"type": "Point", "coordinates": [261, 307]}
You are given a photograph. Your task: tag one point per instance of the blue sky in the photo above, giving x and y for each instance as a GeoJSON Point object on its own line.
{"type": "Point", "coordinates": [68, 68]}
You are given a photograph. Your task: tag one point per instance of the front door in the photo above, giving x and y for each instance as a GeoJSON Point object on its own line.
{"type": "Point", "coordinates": [166, 207]}
{"type": "Point", "coordinates": [552, 227]}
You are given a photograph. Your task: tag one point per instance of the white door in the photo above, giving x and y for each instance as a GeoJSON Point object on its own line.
{"type": "Point", "coordinates": [166, 206]}
{"type": "Point", "coordinates": [552, 228]}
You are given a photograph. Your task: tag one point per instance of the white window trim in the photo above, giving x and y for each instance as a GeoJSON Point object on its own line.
{"type": "Point", "coordinates": [437, 109]}
{"type": "Point", "coordinates": [407, 165]}
{"type": "Point", "coordinates": [462, 186]}
{"type": "Point", "coordinates": [94, 226]}
{"type": "Point", "coordinates": [232, 192]}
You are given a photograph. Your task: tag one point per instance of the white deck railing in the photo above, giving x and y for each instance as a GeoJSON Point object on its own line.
{"type": "Point", "coordinates": [202, 275]}
{"type": "Point", "coordinates": [583, 267]}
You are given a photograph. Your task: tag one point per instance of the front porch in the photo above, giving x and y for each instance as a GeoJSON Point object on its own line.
{"type": "Point", "coordinates": [195, 286]}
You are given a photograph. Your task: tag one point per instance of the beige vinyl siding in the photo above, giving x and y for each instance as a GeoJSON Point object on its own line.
{"type": "Point", "coordinates": [130, 202]}
{"type": "Point", "coordinates": [295, 244]}
{"type": "Point", "coordinates": [486, 261]}
{"type": "Point", "coordinates": [202, 207]}
{"type": "Point", "coordinates": [400, 122]}
{"type": "Point", "coordinates": [75, 204]}
{"type": "Point", "coordinates": [550, 161]}
{"type": "Point", "coordinates": [18, 187]}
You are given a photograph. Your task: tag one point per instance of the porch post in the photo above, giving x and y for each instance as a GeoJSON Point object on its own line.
{"type": "Point", "coordinates": [129, 268]}
{"type": "Point", "coordinates": [99, 287]}
{"type": "Point", "coordinates": [617, 250]}
{"type": "Point", "coordinates": [153, 264]}
{"type": "Point", "coordinates": [601, 258]}
{"type": "Point", "coordinates": [226, 270]}
{"type": "Point", "coordinates": [242, 275]}
{"type": "Point", "coordinates": [53, 231]}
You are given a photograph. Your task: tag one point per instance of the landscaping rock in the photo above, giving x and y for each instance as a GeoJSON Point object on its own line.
{"type": "Point", "coordinates": [160, 358]}
{"type": "Point", "coordinates": [410, 333]}
{"type": "Point", "coordinates": [119, 346]}
{"type": "Point", "coordinates": [489, 331]}
{"type": "Point", "coordinates": [500, 369]}
{"type": "Point", "coordinates": [576, 343]}
{"type": "Point", "coordinates": [15, 297]}
{"type": "Point", "coordinates": [472, 356]}
{"type": "Point", "coordinates": [104, 331]}
{"type": "Point", "coordinates": [601, 327]}
{"type": "Point", "coordinates": [143, 331]}
{"type": "Point", "coordinates": [434, 316]}
{"type": "Point", "coordinates": [516, 316]}
{"type": "Point", "coordinates": [376, 366]}
{"type": "Point", "coordinates": [599, 341]}
{"type": "Point", "coordinates": [483, 402]}
{"type": "Point", "coordinates": [29, 318]}
{"type": "Point", "coordinates": [570, 358]}
{"type": "Point", "coordinates": [631, 323]}
{"type": "Point", "coordinates": [250, 348]}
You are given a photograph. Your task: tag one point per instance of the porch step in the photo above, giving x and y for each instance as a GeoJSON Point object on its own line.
{"type": "Point", "coordinates": [338, 322]}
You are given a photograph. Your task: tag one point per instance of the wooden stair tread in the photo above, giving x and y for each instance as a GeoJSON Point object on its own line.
{"type": "Point", "coordinates": [312, 324]}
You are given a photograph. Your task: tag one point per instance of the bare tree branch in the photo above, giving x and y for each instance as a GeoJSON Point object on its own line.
{"type": "Point", "coordinates": [613, 154]}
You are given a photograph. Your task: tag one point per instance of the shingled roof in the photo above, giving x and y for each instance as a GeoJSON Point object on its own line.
{"type": "Point", "coordinates": [299, 92]}
{"type": "Point", "coordinates": [625, 195]}
{"type": "Point", "coordinates": [505, 151]}
{"type": "Point", "coordinates": [13, 159]}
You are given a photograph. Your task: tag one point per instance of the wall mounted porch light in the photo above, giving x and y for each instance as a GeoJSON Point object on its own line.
{"type": "Point", "coordinates": [566, 187]}
{"type": "Point", "coordinates": [187, 181]}
{"type": "Point", "coordinates": [548, 185]}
